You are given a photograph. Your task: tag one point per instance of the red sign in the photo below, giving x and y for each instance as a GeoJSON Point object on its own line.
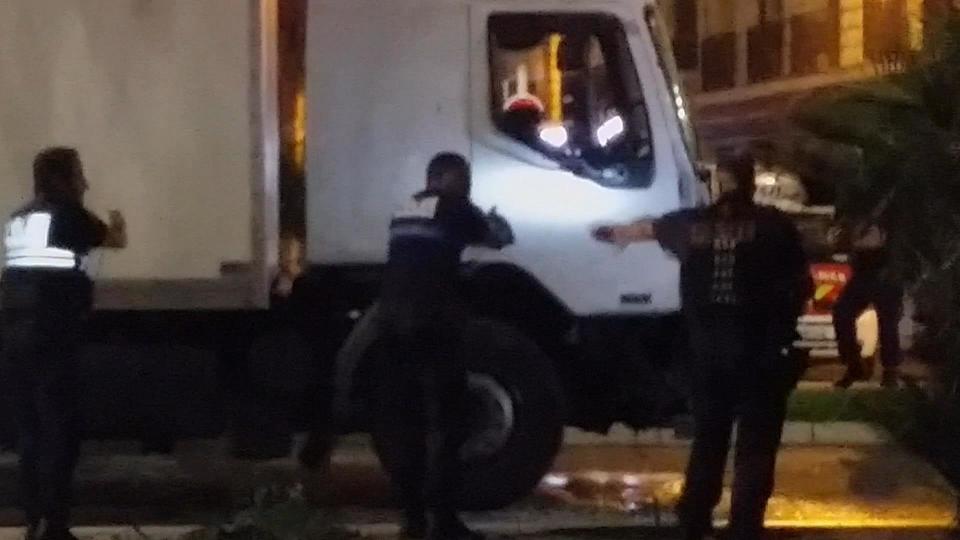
{"type": "Point", "coordinates": [829, 279]}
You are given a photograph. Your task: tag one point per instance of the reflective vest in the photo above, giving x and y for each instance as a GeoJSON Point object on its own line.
{"type": "Point", "coordinates": [27, 244]}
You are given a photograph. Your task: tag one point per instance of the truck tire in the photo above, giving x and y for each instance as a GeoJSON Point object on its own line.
{"type": "Point", "coordinates": [354, 366]}
{"type": "Point", "coordinates": [516, 419]}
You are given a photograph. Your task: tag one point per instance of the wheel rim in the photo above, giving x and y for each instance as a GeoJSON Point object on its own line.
{"type": "Point", "coordinates": [492, 418]}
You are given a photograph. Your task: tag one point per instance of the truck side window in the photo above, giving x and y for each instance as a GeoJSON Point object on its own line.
{"type": "Point", "coordinates": [566, 86]}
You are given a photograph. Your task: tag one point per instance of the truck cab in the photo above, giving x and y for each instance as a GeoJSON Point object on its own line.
{"type": "Point", "coordinates": [572, 115]}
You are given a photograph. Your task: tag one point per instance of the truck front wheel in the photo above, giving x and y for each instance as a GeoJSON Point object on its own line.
{"type": "Point", "coordinates": [515, 422]}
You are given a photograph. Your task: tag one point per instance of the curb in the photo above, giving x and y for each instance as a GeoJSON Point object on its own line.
{"type": "Point", "coordinates": [358, 449]}
{"type": "Point", "coordinates": [123, 532]}
{"type": "Point", "coordinates": [794, 434]}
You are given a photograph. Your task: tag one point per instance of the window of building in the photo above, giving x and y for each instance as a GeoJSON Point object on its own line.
{"type": "Point", "coordinates": [815, 31]}
{"type": "Point", "coordinates": [770, 11]}
{"type": "Point", "coordinates": [718, 48]}
{"type": "Point", "coordinates": [566, 86]}
{"type": "Point", "coordinates": [686, 34]}
{"type": "Point", "coordinates": [719, 16]}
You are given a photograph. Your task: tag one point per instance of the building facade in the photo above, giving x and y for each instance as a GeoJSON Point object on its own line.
{"type": "Point", "coordinates": [746, 62]}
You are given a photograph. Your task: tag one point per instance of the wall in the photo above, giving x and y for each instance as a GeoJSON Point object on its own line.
{"type": "Point", "coordinates": [156, 95]}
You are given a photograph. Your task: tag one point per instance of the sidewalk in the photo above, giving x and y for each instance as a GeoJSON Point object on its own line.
{"type": "Point", "coordinates": [620, 489]}
{"type": "Point", "coordinates": [795, 433]}
{"type": "Point", "coordinates": [621, 483]}
{"type": "Point", "coordinates": [824, 486]}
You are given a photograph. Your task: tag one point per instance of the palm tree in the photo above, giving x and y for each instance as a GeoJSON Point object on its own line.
{"type": "Point", "coordinates": [906, 130]}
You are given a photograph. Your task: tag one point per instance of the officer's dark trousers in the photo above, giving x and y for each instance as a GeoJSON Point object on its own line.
{"type": "Point", "coordinates": [425, 394]}
{"type": "Point", "coordinates": [733, 383]}
{"type": "Point", "coordinates": [40, 361]}
{"type": "Point", "coordinates": [887, 300]}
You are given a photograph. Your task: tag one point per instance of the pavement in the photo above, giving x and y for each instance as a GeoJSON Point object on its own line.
{"type": "Point", "coordinates": [594, 491]}
{"type": "Point", "coordinates": [836, 480]}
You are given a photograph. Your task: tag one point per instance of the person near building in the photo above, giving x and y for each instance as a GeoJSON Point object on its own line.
{"type": "Point", "coordinates": [870, 284]}
{"type": "Point", "coordinates": [744, 281]}
{"type": "Point", "coordinates": [46, 297]}
{"type": "Point", "coordinates": [423, 318]}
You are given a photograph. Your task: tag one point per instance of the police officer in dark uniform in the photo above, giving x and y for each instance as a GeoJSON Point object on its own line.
{"type": "Point", "coordinates": [744, 281]}
{"type": "Point", "coordinates": [46, 296]}
{"type": "Point", "coordinates": [866, 241]}
{"type": "Point", "coordinates": [423, 319]}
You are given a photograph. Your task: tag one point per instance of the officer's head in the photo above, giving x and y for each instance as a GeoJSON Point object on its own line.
{"type": "Point", "coordinates": [449, 174]}
{"type": "Point", "coordinates": [736, 179]}
{"type": "Point", "coordinates": [58, 175]}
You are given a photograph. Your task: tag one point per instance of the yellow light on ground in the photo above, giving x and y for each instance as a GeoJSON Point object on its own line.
{"type": "Point", "coordinates": [632, 492]}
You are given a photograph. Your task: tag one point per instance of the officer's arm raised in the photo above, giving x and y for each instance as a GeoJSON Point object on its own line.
{"type": "Point", "coordinates": [499, 232]}
{"type": "Point", "coordinates": [642, 230]}
{"type": "Point", "coordinates": [116, 237]}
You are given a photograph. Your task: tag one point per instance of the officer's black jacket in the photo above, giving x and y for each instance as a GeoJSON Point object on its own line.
{"type": "Point", "coordinates": [771, 277]}
{"type": "Point", "coordinates": [427, 239]}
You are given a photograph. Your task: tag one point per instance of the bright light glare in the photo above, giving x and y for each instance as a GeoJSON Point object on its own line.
{"type": "Point", "coordinates": [555, 136]}
{"type": "Point", "coordinates": [610, 130]}
{"type": "Point", "coordinates": [556, 480]}
{"type": "Point", "coordinates": [766, 179]}
{"type": "Point", "coordinates": [681, 105]}
{"type": "Point", "coordinates": [632, 480]}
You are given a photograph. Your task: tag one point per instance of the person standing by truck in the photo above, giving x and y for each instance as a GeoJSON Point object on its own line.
{"type": "Point", "coordinates": [423, 319]}
{"type": "Point", "coordinates": [46, 297]}
{"type": "Point", "coordinates": [744, 281]}
{"type": "Point", "coordinates": [866, 241]}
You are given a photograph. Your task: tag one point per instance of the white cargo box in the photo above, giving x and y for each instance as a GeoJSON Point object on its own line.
{"type": "Point", "coordinates": [172, 106]}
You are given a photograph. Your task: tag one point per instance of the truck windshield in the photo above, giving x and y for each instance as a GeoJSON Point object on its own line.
{"type": "Point", "coordinates": [566, 86]}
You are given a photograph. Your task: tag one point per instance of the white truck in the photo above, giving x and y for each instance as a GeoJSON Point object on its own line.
{"type": "Point", "coordinates": [172, 104]}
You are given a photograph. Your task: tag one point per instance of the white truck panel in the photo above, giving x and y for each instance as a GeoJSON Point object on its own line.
{"type": "Point", "coordinates": [416, 92]}
{"type": "Point", "coordinates": [161, 99]}
{"type": "Point", "coordinates": [387, 89]}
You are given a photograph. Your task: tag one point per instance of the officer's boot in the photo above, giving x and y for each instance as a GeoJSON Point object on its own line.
{"type": "Point", "coordinates": [317, 451]}
{"type": "Point", "coordinates": [34, 530]}
{"type": "Point", "coordinates": [890, 379]}
{"type": "Point", "coordinates": [856, 372]}
{"type": "Point", "coordinates": [694, 525]}
{"type": "Point", "coordinates": [447, 525]}
{"type": "Point", "coordinates": [59, 534]}
{"type": "Point", "coordinates": [47, 530]}
{"type": "Point", "coordinates": [414, 524]}
{"type": "Point", "coordinates": [704, 533]}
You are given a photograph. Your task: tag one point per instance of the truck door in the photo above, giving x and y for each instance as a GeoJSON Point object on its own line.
{"type": "Point", "coordinates": [569, 131]}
